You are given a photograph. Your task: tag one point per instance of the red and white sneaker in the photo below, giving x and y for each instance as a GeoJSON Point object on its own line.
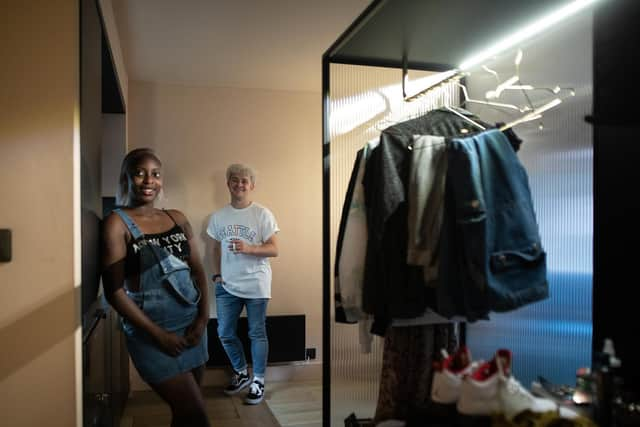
{"type": "Point", "coordinates": [448, 375]}
{"type": "Point", "coordinates": [479, 390]}
{"type": "Point", "coordinates": [491, 389]}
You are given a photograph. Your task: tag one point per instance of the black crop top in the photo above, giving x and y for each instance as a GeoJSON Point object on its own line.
{"type": "Point", "coordinates": [173, 240]}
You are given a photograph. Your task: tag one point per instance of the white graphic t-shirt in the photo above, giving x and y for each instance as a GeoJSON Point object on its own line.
{"type": "Point", "coordinates": [245, 276]}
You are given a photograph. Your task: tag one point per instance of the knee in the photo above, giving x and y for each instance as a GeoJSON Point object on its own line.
{"type": "Point", "coordinates": [258, 333]}
{"type": "Point", "coordinates": [226, 332]}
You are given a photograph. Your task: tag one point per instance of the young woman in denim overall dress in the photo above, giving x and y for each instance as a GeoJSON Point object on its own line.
{"type": "Point", "coordinates": [153, 278]}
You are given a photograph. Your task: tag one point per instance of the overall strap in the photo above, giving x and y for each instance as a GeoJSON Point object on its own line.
{"type": "Point", "coordinates": [133, 228]}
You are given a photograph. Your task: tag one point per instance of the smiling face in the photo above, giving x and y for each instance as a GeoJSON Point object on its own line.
{"type": "Point", "coordinates": [145, 181]}
{"type": "Point", "coordinates": [240, 186]}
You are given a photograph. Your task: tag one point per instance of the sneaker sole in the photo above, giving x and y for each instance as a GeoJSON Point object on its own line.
{"type": "Point", "coordinates": [253, 401]}
{"type": "Point", "coordinates": [238, 390]}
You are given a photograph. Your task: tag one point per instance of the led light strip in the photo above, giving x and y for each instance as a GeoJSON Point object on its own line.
{"type": "Point", "coordinates": [527, 32]}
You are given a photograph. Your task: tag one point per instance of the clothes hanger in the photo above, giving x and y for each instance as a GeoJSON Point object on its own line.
{"type": "Point", "coordinates": [454, 77]}
{"type": "Point", "coordinates": [424, 103]}
{"type": "Point", "coordinates": [507, 84]}
{"type": "Point", "coordinates": [533, 115]}
{"type": "Point", "coordinates": [439, 80]}
{"type": "Point", "coordinates": [466, 100]}
{"type": "Point", "coordinates": [478, 125]}
{"type": "Point", "coordinates": [510, 83]}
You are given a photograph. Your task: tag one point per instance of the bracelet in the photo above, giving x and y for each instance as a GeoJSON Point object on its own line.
{"type": "Point", "coordinates": [215, 276]}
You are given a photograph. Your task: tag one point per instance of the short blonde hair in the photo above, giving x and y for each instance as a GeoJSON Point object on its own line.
{"type": "Point", "coordinates": [241, 170]}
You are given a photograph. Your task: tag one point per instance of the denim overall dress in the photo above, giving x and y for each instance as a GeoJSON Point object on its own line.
{"type": "Point", "coordinates": [169, 297]}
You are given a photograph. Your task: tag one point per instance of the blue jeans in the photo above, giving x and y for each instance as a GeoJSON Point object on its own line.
{"type": "Point", "coordinates": [229, 308]}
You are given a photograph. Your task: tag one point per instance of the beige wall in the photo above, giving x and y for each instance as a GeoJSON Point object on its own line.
{"type": "Point", "coordinates": [198, 131]}
{"type": "Point", "coordinates": [39, 300]}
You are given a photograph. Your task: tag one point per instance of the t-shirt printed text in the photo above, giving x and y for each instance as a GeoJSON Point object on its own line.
{"type": "Point", "coordinates": [237, 231]}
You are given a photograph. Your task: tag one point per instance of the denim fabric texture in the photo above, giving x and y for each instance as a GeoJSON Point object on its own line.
{"type": "Point", "coordinates": [229, 307]}
{"type": "Point", "coordinates": [170, 299]}
{"type": "Point", "coordinates": [492, 253]}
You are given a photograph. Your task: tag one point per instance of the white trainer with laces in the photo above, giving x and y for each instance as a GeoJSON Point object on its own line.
{"type": "Point", "coordinates": [515, 399]}
{"type": "Point", "coordinates": [491, 389]}
{"type": "Point", "coordinates": [448, 375]}
{"type": "Point", "coordinates": [479, 391]}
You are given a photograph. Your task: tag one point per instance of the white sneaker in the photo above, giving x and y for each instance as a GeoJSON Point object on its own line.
{"type": "Point", "coordinates": [479, 391]}
{"type": "Point", "coordinates": [448, 375]}
{"type": "Point", "coordinates": [256, 393]}
{"type": "Point", "coordinates": [514, 398]}
{"type": "Point", "coordinates": [491, 389]}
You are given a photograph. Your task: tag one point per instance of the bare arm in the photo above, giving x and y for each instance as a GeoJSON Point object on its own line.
{"type": "Point", "coordinates": [267, 249]}
{"type": "Point", "coordinates": [113, 273]}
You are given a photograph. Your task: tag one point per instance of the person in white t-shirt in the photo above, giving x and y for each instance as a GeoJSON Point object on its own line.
{"type": "Point", "coordinates": [244, 236]}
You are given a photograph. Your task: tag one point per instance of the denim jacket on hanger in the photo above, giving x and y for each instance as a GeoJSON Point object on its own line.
{"type": "Point", "coordinates": [493, 258]}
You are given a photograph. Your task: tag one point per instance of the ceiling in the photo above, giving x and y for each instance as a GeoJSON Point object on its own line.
{"type": "Point", "coordinates": [267, 44]}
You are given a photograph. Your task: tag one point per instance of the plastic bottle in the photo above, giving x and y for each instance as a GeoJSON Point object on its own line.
{"type": "Point", "coordinates": [607, 365]}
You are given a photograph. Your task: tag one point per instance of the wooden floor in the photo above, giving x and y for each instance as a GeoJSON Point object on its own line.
{"type": "Point", "coordinates": [297, 404]}
{"type": "Point", "coordinates": [145, 409]}
{"type": "Point", "coordinates": [286, 404]}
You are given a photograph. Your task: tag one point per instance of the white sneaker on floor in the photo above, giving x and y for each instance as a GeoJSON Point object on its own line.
{"type": "Point", "coordinates": [256, 393]}
{"type": "Point", "coordinates": [448, 375]}
{"type": "Point", "coordinates": [492, 389]}
{"type": "Point", "coordinates": [515, 399]}
{"type": "Point", "coordinates": [479, 391]}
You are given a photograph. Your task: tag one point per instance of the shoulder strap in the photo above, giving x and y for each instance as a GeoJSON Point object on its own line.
{"type": "Point", "coordinates": [172, 219]}
{"type": "Point", "coordinates": [133, 228]}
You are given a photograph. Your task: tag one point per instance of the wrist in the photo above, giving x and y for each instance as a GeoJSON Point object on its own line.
{"type": "Point", "coordinates": [157, 333]}
{"type": "Point", "coordinates": [216, 278]}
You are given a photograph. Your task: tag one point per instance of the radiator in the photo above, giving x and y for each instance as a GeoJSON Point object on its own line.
{"type": "Point", "coordinates": [286, 340]}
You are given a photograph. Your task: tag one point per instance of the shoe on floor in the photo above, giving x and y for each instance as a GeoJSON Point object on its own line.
{"type": "Point", "coordinates": [238, 382]}
{"type": "Point", "coordinates": [256, 393]}
{"type": "Point", "coordinates": [448, 375]}
{"type": "Point", "coordinates": [492, 389]}
{"type": "Point", "coordinates": [479, 390]}
{"type": "Point", "coordinates": [514, 398]}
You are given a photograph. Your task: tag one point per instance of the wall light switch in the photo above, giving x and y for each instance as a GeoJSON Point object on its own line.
{"type": "Point", "coordinates": [5, 245]}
